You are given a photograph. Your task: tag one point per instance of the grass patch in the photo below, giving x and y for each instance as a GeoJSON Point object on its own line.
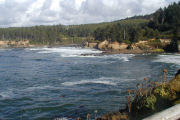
{"type": "Point", "coordinates": [158, 50]}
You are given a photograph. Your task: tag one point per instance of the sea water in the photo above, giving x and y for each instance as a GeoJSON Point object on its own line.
{"type": "Point", "coordinates": [48, 83]}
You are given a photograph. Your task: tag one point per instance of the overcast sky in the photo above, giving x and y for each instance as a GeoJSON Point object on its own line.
{"type": "Point", "coordinates": [68, 12]}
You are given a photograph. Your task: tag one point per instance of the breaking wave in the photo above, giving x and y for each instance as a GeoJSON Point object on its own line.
{"type": "Point", "coordinates": [6, 94]}
{"type": "Point", "coordinates": [67, 51]}
{"type": "Point", "coordinates": [81, 52]}
{"type": "Point", "coordinates": [88, 82]}
{"type": "Point", "coordinates": [103, 80]}
{"type": "Point", "coordinates": [124, 57]}
{"type": "Point", "coordinates": [172, 58]}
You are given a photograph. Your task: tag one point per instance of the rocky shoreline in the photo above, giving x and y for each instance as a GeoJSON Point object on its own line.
{"type": "Point", "coordinates": [149, 98]}
{"type": "Point", "coordinates": [141, 47]}
{"type": "Point", "coordinates": [27, 44]}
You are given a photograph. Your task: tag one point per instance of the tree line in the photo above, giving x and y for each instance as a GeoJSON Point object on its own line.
{"type": "Point", "coordinates": [43, 34]}
{"type": "Point", "coordinates": [164, 23]}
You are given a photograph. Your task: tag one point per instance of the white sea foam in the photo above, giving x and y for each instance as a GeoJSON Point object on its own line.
{"type": "Point", "coordinates": [87, 82]}
{"type": "Point", "coordinates": [10, 93]}
{"type": "Point", "coordinates": [67, 51]}
{"type": "Point", "coordinates": [36, 49]}
{"type": "Point", "coordinates": [6, 94]}
{"type": "Point", "coordinates": [63, 118]}
{"type": "Point", "coordinates": [7, 49]}
{"type": "Point", "coordinates": [124, 57]}
{"type": "Point", "coordinates": [78, 52]}
{"type": "Point", "coordinates": [39, 88]}
{"type": "Point", "coordinates": [171, 58]}
{"type": "Point", "coordinates": [102, 80]}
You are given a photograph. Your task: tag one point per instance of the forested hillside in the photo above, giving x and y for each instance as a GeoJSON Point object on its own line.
{"type": "Point", "coordinates": [164, 23]}
{"type": "Point", "coordinates": [60, 33]}
{"type": "Point", "coordinates": [45, 35]}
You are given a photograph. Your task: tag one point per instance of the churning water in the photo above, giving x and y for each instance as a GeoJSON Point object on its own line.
{"type": "Point", "coordinates": [48, 83]}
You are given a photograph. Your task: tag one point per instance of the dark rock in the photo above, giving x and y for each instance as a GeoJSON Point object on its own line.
{"type": "Point", "coordinates": [178, 72]}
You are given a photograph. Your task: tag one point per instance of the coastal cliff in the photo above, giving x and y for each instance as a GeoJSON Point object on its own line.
{"type": "Point", "coordinates": [148, 46]}
{"type": "Point", "coordinates": [15, 44]}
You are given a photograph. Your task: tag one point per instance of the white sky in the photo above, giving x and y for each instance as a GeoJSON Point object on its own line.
{"type": "Point", "coordinates": [49, 12]}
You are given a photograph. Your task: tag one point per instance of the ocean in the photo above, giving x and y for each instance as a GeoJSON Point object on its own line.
{"type": "Point", "coordinates": [49, 83]}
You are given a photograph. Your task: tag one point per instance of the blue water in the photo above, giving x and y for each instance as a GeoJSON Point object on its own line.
{"type": "Point", "coordinates": [49, 83]}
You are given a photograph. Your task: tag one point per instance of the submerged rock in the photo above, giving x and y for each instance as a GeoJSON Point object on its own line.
{"type": "Point", "coordinates": [178, 73]}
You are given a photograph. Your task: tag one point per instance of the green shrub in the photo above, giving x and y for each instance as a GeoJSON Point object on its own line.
{"type": "Point", "coordinates": [150, 102]}
{"type": "Point", "coordinates": [158, 50]}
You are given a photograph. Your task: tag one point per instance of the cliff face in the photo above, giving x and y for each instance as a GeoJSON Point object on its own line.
{"type": "Point", "coordinates": [103, 45]}
{"type": "Point", "coordinates": [106, 45]}
{"type": "Point", "coordinates": [117, 46]}
{"type": "Point", "coordinates": [151, 45]}
{"type": "Point", "coordinates": [4, 44]}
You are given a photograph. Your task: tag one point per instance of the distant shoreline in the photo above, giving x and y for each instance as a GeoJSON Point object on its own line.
{"type": "Point", "coordinates": [104, 52]}
{"type": "Point", "coordinates": [34, 46]}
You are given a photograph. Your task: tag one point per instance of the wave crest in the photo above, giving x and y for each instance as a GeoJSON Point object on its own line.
{"type": "Point", "coordinates": [103, 80]}
{"type": "Point", "coordinates": [172, 58]}
{"type": "Point", "coordinates": [88, 82]}
{"type": "Point", "coordinates": [67, 51]}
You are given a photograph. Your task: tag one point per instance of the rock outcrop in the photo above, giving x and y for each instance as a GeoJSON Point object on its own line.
{"type": "Point", "coordinates": [106, 45]}
{"type": "Point", "coordinates": [3, 43]}
{"type": "Point", "coordinates": [117, 46]}
{"type": "Point", "coordinates": [12, 43]}
{"type": "Point", "coordinates": [149, 46]}
{"type": "Point", "coordinates": [92, 45]}
{"type": "Point", "coordinates": [103, 45]}
{"type": "Point", "coordinates": [165, 41]}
